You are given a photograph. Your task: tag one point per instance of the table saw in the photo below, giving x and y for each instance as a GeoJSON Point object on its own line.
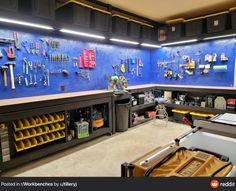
{"type": "Point", "coordinates": [208, 150]}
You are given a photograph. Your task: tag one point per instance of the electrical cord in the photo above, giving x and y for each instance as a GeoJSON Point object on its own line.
{"type": "Point", "coordinates": [164, 160]}
{"type": "Point", "coordinates": [220, 169]}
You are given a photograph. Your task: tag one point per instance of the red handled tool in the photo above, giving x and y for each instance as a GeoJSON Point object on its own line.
{"type": "Point", "coordinates": [10, 53]}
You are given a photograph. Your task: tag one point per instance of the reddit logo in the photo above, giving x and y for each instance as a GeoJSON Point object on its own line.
{"type": "Point", "coordinates": [214, 184]}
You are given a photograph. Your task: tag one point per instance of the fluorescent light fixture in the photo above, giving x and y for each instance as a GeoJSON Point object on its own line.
{"type": "Point", "coordinates": [150, 45]}
{"type": "Point", "coordinates": [82, 34]}
{"type": "Point", "coordinates": [179, 42]}
{"type": "Point", "coordinates": [124, 41]}
{"type": "Point", "coordinates": [34, 25]}
{"type": "Point", "coordinates": [222, 36]}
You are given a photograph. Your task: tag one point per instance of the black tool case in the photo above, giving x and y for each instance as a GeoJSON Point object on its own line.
{"type": "Point", "coordinates": [175, 29]}
{"type": "Point", "coordinates": [9, 5]}
{"type": "Point", "coordinates": [39, 8]}
{"type": "Point", "coordinates": [195, 26]}
{"type": "Point", "coordinates": [119, 25]}
{"type": "Point", "coordinates": [101, 20]}
{"type": "Point", "coordinates": [134, 29]}
{"type": "Point", "coordinates": [233, 17]}
{"type": "Point", "coordinates": [217, 22]}
{"type": "Point", "coordinates": [76, 13]}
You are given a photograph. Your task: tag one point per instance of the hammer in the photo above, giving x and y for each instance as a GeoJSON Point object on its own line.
{"type": "Point", "coordinates": [11, 65]}
{"type": "Point", "coordinates": [4, 70]}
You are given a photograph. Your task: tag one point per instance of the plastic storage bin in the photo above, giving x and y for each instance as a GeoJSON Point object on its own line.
{"type": "Point", "coordinates": [217, 22]}
{"type": "Point", "coordinates": [74, 12]}
{"type": "Point", "coordinates": [202, 116]}
{"type": "Point", "coordinates": [233, 17]}
{"type": "Point", "coordinates": [194, 26]}
{"type": "Point", "coordinates": [39, 8]}
{"type": "Point", "coordinates": [134, 29]}
{"type": "Point", "coordinates": [119, 25]}
{"type": "Point", "coordinates": [175, 29]}
{"type": "Point", "coordinates": [101, 20]}
{"type": "Point", "coordinates": [147, 32]}
{"type": "Point", "coordinates": [179, 114]}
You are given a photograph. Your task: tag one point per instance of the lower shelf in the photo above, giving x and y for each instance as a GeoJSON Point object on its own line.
{"type": "Point", "coordinates": [142, 121]}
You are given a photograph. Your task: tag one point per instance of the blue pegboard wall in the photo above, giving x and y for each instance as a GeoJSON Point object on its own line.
{"type": "Point", "coordinates": [196, 51]}
{"type": "Point", "coordinates": [106, 56]}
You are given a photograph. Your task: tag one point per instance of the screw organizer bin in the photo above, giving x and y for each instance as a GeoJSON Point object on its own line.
{"type": "Point", "coordinates": [35, 131]}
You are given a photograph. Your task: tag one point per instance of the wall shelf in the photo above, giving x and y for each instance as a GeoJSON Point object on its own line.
{"type": "Point", "coordinates": [143, 106]}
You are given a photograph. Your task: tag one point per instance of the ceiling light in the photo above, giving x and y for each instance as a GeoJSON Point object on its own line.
{"type": "Point", "coordinates": [151, 45]}
{"type": "Point", "coordinates": [222, 36]}
{"type": "Point", "coordinates": [179, 42]}
{"type": "Point", "coordinates": [82, 34]}
{"type": "Point", "coordinates": [26, 24]}
{"type": "Point", "coordinates": [124, 41]}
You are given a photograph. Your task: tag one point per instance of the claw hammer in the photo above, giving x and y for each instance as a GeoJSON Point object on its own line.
{"type": "Point", "coordinates": [11, 65]}
{"type": "Point", "coordinates": [4, 70]}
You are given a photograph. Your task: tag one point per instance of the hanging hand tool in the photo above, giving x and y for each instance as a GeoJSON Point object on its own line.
{"type": "Point", "coordinates": [1, 54]}
{"type": "Point", "coordinates": [4, 70]}
{"type": "Point", "coordinates": [35, 80]}
{"type": "Point", "coordinates": [137, 68]}
{"type": "Point", "coordinates": [11, 65]}
{"type": "Point", "coordinates": [26, 82]}
{"type": "Point", "coordinates": [25, 44]}
{"type": "Point", "coordinates": [32, 48]}
{"type": "Point", "coordinates": [122, 68]}
{"type": "Point", "coordinates": [10, 53]}
{"type": "Point", "coordinates": [37, 47]}
{"type": "Point", "coordinates": [24, 65]}
{"type": "Point", "coordinates": [31, 80]}
{"type": "Point", "coordinates": [19, 79]}
{"type": "Point", "coordinates": [16, 39]}
{"type": "Point", "coordinates": [7, 40]}
{"type": "Point", "coordinates": [115, 69]}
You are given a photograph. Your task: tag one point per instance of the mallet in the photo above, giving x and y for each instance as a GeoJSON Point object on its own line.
{"type": "Point", "coordinates": [4, 70]}
{"type": "Point", "coordinates": [11, 65]}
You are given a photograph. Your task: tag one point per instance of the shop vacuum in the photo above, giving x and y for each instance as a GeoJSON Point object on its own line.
{"type": "Point", "coordinates": [208, 150]}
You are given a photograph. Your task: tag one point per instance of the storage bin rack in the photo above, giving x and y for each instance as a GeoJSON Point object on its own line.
{"type": "Point", "coordinates": [36, 131]}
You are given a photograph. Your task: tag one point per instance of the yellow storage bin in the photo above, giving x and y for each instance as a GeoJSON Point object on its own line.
{"type": "Point", "coordinates": [19, 135]}
{"type": "Point", "coordinates": [32, 132]}
{"type": "Point", "coordinates": [50, 117]}
{"type": "Point", "coordinates": [38, 120]}
{"type": "Point", "coordinates": [27, 143]}
{"type": "Point", "coordinates": [39, 140]}
{"type": "Point", "coordinates": [39, 130]}
{"type": "Point", "coordinates": [26, 133]}
{"type": "Point", "coordinates": [19, 124]}
{"type": "Point", "coordinates": [62, 124]}
{"type": "Point", "coordinates": [25, 122]}
{"type": "Point", "coordinates": [179, 114]}
{"type": "Point", "coordinates": [61, 116]}
{"type": "Point", "coordinates": [57, 126]}
{"type": "Point", "coordinates": [51, 136]}
{"type": "Point", "coordinates": [57, 134]}
{"type": "Point", "coordinates": [46, 138]}
{"type": "Point", "coordinates": [62, 133]}
{"type": "Point", "coordinates": [51, 127]}
{"type": "Point", "coordinates": [44, 118]}
{"type": "Point", "coordinates": [19, 146]}
{"type": "Point", "coordinates": [46, 128]}
{"type": "Point", "coordinates": [33, 141]}
{"type": "Point", "coordinates": [32, 121]}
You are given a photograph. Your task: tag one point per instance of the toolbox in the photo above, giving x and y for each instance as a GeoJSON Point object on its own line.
{"type": "Point", "coordinates": [119, 25]}
{"type": "Point", "coordinates": [76, 13]}
{"type": "Point", "coordinates": [217, 22]}
{"type": "Point", "coordinates": [179, 114]}
{"type": "Point", "coordinates": [39, 8]}
{"type": "Point", "coordinates": [134, 28]}
{"type": "Point", "coordinates": [101, 20]}
{"type": "Point", "coordinates": [175, 29]}
{"type": "Point", "coordinates": [201, 116]}
{"type": "Point", "coordinates": [194, 26]}
{"type": "Point", "coordinates": [233, 17]}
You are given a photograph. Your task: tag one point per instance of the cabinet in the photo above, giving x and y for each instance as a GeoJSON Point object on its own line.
{"type": "Point", "coordinates": [9, 5]}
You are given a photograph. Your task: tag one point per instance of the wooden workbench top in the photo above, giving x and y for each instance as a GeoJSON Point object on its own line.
{"type": "Point", "coordinates": [15, 101]}
{"type": "Point", "coordinates": [196, 87]}
{"type": "Point", "coordinates": [141, 86]}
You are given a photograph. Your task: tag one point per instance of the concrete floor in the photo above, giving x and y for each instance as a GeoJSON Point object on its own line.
{"type": "Point", "coordinates": [103, 156]}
